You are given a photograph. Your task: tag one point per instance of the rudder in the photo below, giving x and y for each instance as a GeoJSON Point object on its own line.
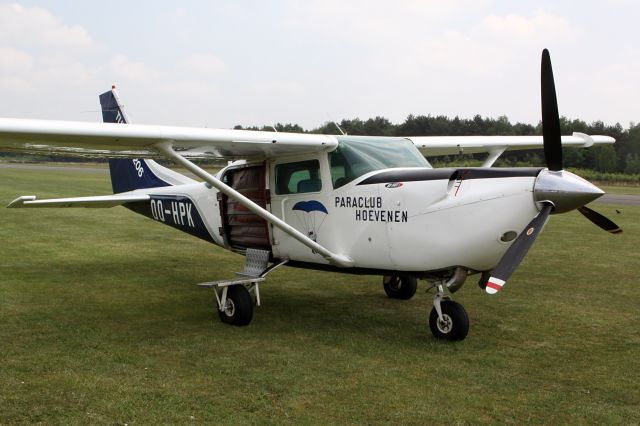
{"type": "Point", "coordinates": [112, 110]}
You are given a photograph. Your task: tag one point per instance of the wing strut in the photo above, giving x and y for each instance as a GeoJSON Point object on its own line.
{"type": "Point", "coordinates": [333, 258]}
{"type": "Point", "coordinates": [494, 154]}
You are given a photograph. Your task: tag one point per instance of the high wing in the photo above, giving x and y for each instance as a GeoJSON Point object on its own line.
{"type": "Point", "coordinates": [133, 140]}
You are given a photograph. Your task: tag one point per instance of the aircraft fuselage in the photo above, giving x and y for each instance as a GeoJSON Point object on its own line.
{"type": "Point", "coordinates": [413, 220]}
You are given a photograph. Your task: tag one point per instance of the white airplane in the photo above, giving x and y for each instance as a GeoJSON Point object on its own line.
{"type": "Point", "coordinates": [354, 204]}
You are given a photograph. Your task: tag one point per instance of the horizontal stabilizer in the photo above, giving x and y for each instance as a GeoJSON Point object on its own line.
{"type": "Point", "coordinates": [102, 201]}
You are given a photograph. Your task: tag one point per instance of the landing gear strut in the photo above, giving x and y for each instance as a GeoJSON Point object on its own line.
{"type": "Point", "coordinates": [233, 296]}
{"type": "Point", "coordinates": [448, 320]}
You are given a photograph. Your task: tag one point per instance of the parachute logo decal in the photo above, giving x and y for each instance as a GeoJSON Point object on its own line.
{"type": "Point", "coordinates": [312, 215]}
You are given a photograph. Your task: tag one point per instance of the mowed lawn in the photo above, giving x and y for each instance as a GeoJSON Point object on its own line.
{"type": "Point", "coordinates": [101, 323]}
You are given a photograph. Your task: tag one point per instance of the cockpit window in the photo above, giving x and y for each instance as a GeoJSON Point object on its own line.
{"type": "Point", "coordinates": [356, 156]}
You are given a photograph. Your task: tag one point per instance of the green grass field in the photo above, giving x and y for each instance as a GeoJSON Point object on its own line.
{"type": "Point", "coordinates": [631, 190]}
{"type": "Point", "coordinates": [101, 323]}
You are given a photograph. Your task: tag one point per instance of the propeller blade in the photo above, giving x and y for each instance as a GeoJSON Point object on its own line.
{"type": "Point", "coordinates": [518, 250]}
{"type": "Point", "coordinates": [550, 118]}
{"type": "Point", "coordinates": [600, 220]}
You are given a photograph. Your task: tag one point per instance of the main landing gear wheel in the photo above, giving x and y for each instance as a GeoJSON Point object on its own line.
{"type": "Point", "coordinates": [238, 309]}
{"type": "Point", "coordinates": [402, 288]}
{"type": "Point", "coordinates": [454, 324]}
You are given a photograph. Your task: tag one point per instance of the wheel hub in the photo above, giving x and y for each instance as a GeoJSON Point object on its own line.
{"type": "Point", "coordinates": [395, 284]}
{"type": "Point", "coordinates": [229, 308]}
{"type": "Point", "coordinates": [445, 324]}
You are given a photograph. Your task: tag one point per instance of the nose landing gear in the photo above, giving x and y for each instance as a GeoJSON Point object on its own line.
{"type": "Point", "coordinates": [448, 320]}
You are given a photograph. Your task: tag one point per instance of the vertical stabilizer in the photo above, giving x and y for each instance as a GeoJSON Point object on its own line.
{"type": "Point", "coordinates": [112, 109]}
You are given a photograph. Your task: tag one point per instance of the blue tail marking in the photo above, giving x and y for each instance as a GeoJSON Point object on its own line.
{"type": "Point", "coordinates": [111, 110]}
{"type": "Point", "coordinates": [127, 175]}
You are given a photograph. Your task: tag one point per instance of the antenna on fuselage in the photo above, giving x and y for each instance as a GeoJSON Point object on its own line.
{"type": "Point", "coordinates": [336, 124]}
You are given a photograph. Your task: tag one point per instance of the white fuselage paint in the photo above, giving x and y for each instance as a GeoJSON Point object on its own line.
{"type": "Point", "coordinates": [419, 226]}
{"type": "Point", "coordinates": [416, 226]}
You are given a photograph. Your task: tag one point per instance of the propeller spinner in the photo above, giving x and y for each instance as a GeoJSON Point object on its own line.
{"type": "Point", "coordinates": [556, 190]}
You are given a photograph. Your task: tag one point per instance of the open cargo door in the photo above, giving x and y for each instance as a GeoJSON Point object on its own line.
{"type": "Point", "coordinates": [242, 228]}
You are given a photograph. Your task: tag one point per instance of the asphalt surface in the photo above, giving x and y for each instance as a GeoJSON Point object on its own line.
{"type": "Point", "coordinates": [626, 200]}
{"type": "Point", "coordinates": [91, 169]}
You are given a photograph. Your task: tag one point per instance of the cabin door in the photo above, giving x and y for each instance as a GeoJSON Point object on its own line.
{"type": "Point", "coordinates": [243, 228]}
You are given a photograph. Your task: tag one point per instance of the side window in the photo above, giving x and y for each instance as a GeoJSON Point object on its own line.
{"type": "Point", "coordinates": [298, 177]}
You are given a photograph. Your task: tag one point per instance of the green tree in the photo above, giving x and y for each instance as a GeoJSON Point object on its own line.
{"type": "Point", "coordinates": [632, 164]}
{"type": "Point", "coordinates": [573, 157]}
{"type": "Point", "coordinates": [605, 158]}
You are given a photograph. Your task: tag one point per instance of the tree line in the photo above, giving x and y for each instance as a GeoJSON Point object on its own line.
{"type": "Point", "coordinates": [622, 157]}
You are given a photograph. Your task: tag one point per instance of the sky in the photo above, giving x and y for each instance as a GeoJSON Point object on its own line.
{"type": "Point", "coordinates": [223, 63]}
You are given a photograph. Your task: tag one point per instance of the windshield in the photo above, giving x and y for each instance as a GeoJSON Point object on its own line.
{"type": "Point", "coordinates": [356, 156]}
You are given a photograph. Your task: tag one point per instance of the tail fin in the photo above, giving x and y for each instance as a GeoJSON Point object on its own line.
{"type": "Point", "coordinates": [112, 110]}
{"type": "Point", "coordinates": [127, 174]}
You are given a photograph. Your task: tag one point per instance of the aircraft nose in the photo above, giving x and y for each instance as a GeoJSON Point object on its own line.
{"type": "Point", "coordinates": [565, 190]}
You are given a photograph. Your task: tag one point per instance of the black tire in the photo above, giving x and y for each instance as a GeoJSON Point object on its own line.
{"type": "Point", "coordinates": [239, 306]}
{"type": "Point", "coordinates": [456, 326]}
{"type": "Point", "coordinates": [402, 288]}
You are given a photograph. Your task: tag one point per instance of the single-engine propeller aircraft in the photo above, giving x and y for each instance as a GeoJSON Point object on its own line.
{"type": "Point", "coordinates": [355, 204]}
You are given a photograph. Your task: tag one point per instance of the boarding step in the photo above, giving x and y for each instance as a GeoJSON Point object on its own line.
{"type": "Point", "coordinates": [255, 264]}
{"type": "Point", "coordinates": [232, 281]}
{"type": "Point", "coordinates": [255, 267]}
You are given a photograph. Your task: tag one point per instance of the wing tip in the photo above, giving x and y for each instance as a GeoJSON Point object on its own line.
{"type": "Point", "coordinates": [20, 201]}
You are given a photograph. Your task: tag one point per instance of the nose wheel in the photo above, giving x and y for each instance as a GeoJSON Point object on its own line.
{"type": "Point", "coordinates": [448, 320]}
